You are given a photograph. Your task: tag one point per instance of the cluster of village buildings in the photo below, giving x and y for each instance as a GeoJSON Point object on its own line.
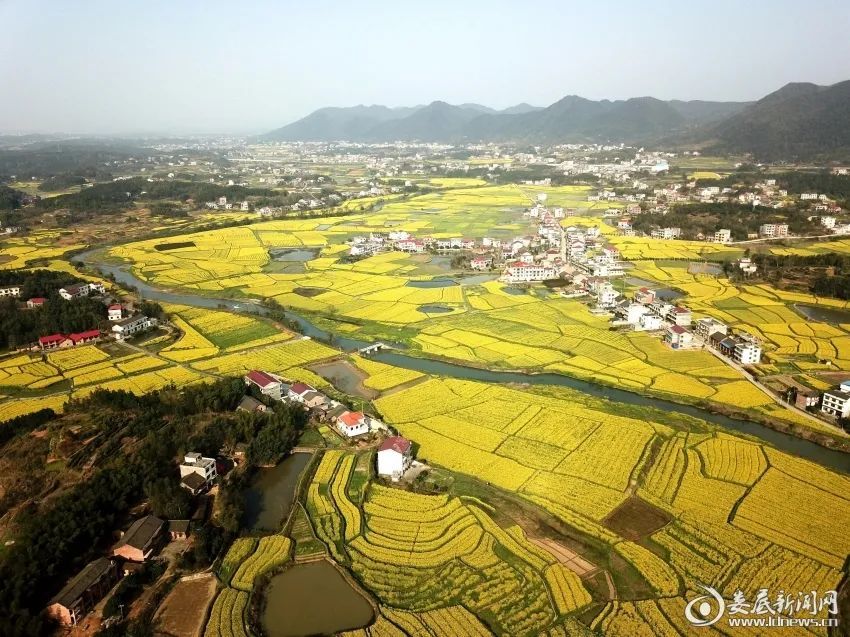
{"type": "Point", "coordinates": [137, 546]}
{"type": "Point", "coordinates": [123, 326]}
{"type": "Point", "coordinates": [394, 453]}
{"type": "Point", "coordinates": [764, 193]}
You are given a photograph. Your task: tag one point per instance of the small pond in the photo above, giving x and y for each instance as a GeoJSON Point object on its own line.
{"type": "Point", "coordinates": [705, 268]}
{"type": "Point", "coordinates": [345, 377]}
{"type": "Point", "coordinates": [434, 309]}
{"type": "Point", "coordinates": [668, 294]}
{"type": "Point", "coordinates": [832, 315]}
{"type": "Point", "coordinates": [514, 291]}
{"type": "Point", "coordinates": [272, 493]}
{"type": "Point", "coordinates": [313, 599]}
{"type": "Point", "coordinates": [477, 279]}
{"type": "Point", "coordinates": [297, 255]}
{"type": "Point", "coordinates": [431, 283]}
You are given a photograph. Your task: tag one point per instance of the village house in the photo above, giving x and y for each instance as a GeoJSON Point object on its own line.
{"type": "Point", "coordinates": [353, 423]}
{"type": "Point", "coordinates": [678, 337]}
{"type": "Point", "coordinates": [36, 301]}
{"type": "Point", "coordinates": [747, 266]}
{"type": "Point", "coordinates": [705, 327]}
{"type": "Point", "coordinates": [141, 540]}
{"type": "Point", "coordinates": [394, 457]}
{"type": "Point", "coordinates": [633, 312]}
{"type": "Point", "coordinates": [268, 384]}
{"type": "Point", "coordinates": [773, 230]}
{"type": "Point", "coordinates": [115, 312]}
{"type": "Point", "coordinates": [83, 591]}
{"type": "Point", "coordinates": [519, 272]}
{"type": "Point", "coordinates": [125, 328]}
{"type": "Point", "coordinates": [678, 315]}
{"type": "Point", "coordinates": [80, 338]}
{"type": "Point", "coordinates": [178, 529]}
{"type": "Point", "coordinates": [196, 464]}
{"type": "Point", "coordinates": [724, 235]}
{"type": "Point", "coordinates": [480, 263]}
{"type": "Point", "coordinates": [298, 391]}
{"type": "Point", "coordinates": [606, 296]}
{"type": "Point", "coordinates": [54, 341]}
{"type": "Point", "coordinates": [649, 322]}
{"type": "Point", "coordinates": [11, 290]}
{"type": "Point", "coordinates": [251, 404]}
{"type": "Point", "coordinates": [644, 296]}
{"type": "Point", "coordinates": [666, 233]}
{"type": "Point", "coordinates": [747, 351]}
{"type": "Point", "coordinates": [79, 290]}
{"type": "Point", "coordinates": [836, 402]}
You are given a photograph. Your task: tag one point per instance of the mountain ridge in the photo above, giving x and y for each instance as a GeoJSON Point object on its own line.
{"type": "Point", "coordinates": [798, 120]}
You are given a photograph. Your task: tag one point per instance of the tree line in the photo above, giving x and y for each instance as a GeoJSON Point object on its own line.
{"type": "Point", "coordinates": [56, 539]}
{"type": "Point", "coordinates": [707, 218]}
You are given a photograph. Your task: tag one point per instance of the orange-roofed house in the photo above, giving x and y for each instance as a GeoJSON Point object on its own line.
{"type": "Point", "coordinates": [353, 423]}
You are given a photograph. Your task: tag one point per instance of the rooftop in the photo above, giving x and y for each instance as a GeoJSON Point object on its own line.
{"type": "Point", "coordinates": [194, 481]}
{"type": "Point", "coordinates": [261, 379]}
{"type": "Point", "coordinates": [141, 532]}
{"type": "Point", "coordinates": [395, 443]}
{"type": "Point", "coordinates": [351, 418]}
{"type": "Point", "coordinates": [82, 581]}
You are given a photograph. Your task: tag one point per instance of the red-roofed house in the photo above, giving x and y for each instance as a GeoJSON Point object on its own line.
{"type": "Point", "coordinates": [679, 315]}
{"type": "Point", "coordinates": [298, 390]}
{"type": "Point", "coordinates": [115, 312]}
{"type": "Point", "coordinates": [394, 457]}
{"type": "Point", "coordinates": [36, 301]}
{"type": "Point", "coordinates": [353, 423]}
{"type": "Point", "coordinates": [84, 337]}
{"type": "Point", "coordinates": [266, 383]}
{"type": "Point", "coordinates": [678, 337]}
{"type": "Point", "coordinates": [54, 341]}
{"type": "Point", "coordinates": [480, 263]}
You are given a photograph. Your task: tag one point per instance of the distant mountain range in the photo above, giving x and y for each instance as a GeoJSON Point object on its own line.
{"type": "Point", "coordinates": [797, 121]}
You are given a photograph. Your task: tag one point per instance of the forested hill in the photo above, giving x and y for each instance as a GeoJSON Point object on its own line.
{"type": "Point", "coordinates": [800, 121]}
{"type": "Point", "coordinates": [572, 118]}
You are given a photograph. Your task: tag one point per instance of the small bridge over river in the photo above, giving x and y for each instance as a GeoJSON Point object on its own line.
{"type": "Point", "coordinates": [371, 349]}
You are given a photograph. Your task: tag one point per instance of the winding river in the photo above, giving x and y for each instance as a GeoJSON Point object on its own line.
{"type": "Point", "coordinates": [829, 458]}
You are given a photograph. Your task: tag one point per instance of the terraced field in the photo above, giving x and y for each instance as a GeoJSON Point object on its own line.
{"type": "Point", "coordinates": [736, 508]}
{"type": "Point", "coordinates": [438, 558]}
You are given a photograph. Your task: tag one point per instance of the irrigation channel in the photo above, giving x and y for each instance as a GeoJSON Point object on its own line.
{"type": "Point", "coordinates": [829, 458]}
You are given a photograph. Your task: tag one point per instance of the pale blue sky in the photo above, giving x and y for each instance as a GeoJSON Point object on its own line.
{"type": "Point", "coordinates": [119, 66]}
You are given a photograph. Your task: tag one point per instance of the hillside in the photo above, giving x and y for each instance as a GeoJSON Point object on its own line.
{"type": "Point", "coordinates": [799, 121]}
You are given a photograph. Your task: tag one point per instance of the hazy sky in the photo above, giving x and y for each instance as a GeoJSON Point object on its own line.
{"type": "Point", "coordinates": [119, 66]}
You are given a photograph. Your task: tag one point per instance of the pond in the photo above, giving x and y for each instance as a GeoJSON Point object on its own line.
{"type": "Point", "coordinates": [705, 268]}
{"type": "Point", "coordinates": [345, 377]}
{"type": "Point", "coordinates": [268, 500]}
{"type": "Point", "coordinates": [514, 291]}
{"type": "Point", "coordinates": [434, 309]}
{"type": "Point", "coordinates": [431, 283]}
{"type": "Point", "coordinates": [313, 599]}
{"type": "Point", "coordinates": [296, 255]}
{"type": "Point", "coordinates": [833, 315]}
{"type": "Point", "coordinates": [477, 279]}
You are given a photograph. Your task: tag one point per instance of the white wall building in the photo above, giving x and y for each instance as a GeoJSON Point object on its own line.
{"type": "Point", "coordinates": [836, 403]}
{"type": "Point", "coordinates": [394, 457]}
{"type": "Point", "coordinates": [196, 463]}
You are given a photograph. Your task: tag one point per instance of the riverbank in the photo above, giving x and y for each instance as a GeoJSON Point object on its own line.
{"type": "Point", "coordinates": [823, 449]}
